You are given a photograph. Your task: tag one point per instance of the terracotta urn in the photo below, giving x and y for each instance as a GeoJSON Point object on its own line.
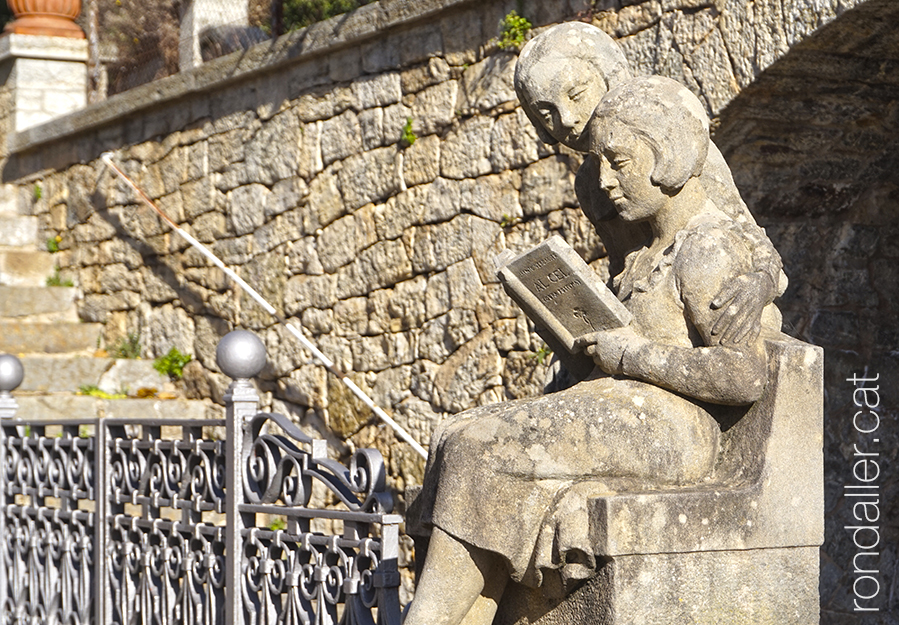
{"type": "Point", "coordinates": [54, 18]}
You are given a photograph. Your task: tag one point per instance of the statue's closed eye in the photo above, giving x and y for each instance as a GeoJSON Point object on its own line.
{"type": "Point", "coordinates": [575, 93]}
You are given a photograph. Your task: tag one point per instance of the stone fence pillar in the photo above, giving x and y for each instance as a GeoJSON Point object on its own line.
{"type": "Point", "coordinates": [44, 78]}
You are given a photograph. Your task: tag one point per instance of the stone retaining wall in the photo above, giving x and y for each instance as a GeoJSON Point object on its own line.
{"type": "Point", "coordinates": [288, 162]}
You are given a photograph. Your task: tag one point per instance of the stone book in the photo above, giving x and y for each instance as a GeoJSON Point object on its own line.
{"type": "Point", "coordinates": [563, 296]}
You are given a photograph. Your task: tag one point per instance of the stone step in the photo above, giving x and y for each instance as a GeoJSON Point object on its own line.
{"type": "Point", "coordinates": [9, 199]}
{"type": "Point", "coordinates": [80, 407]}
{"type": "Point", "coordinates": [18, 231]}
{"type": "Point", "coordinates": [40, 303]}
{"type": "Point", "coordinates": [63, 373]}
{"type": "Point", "coordinates": [17, 337]}
{"type": "Point", "coordinates": [22, 268]}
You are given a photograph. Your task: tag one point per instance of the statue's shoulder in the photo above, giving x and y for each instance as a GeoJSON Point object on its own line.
{"type": "Point", "coordinates": [711, 248]}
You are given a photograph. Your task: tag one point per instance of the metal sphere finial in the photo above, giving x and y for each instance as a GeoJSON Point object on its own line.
{"type": "Point", "coordinates": [240, 354]}
{"type": "Point", "coordinates": [11, 372]}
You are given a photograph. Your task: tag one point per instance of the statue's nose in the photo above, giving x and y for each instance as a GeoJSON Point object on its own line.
{"type": "Point", "coordinates": [607, 180]}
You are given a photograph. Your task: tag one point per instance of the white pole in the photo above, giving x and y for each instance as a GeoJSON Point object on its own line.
{"type": "Point", "coordinates": [296, 332]}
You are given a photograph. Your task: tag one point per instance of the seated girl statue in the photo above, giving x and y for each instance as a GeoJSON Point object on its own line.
{"type": "Point", "coordinates": [506, 485]}
{"type": "Point", "coordinates": [560, 77]}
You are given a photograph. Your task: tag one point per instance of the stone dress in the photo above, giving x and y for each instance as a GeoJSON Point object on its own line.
{"type": "Point", "coordinates": [514, 477]}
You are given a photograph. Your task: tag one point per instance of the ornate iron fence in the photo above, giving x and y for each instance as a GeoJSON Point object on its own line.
{"type": "Point", "coordinates": [147, 522]}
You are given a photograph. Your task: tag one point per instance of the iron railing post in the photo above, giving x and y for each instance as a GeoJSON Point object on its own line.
{"type": "Point", "coordinates": [101, 516]}
{"type": "Point", "coordinates": [240, 356]}
{"type": "Point", "coordinates": [11, 375]}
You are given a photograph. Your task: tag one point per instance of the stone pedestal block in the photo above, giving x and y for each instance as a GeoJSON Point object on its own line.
{"type": "Point", "coordinates": [707, 588]}
{"type": "Point", "coordinates": [46, 77]}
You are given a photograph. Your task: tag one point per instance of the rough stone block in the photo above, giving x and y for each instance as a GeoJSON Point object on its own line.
{"type": "Point", "coordinates": [377, 353]}
{"type": "Point", "coordinates": [514, 142]}
{"type": "Point", "coordinates": [488, 84]}
{"type": "Point", "coordinates": [340, 242]}
{"type": "Point", "coordinates": [341, 136]}
{"type": "Point", "coordinates": [305, 291]}
{"type": "Point", "coordinates": [547, 185]}
{"type": "Point", "coordinates": [302, 258]}
{"type": "Point", "coordinates": [247, 208]}
{"type": "Point", "coordinates": [418, 45]}
{"type": "Point", "coordinates": [371, 124]}
{"type": "Point", "coordinates": [421, 161]}
{"type": "Point", "coordinates": [493, 197]}
{"type": "Point", "coordinates": [466, 150]}
{"type": "Point", "coordinates": [435, 71]}
{"type": "Point", "coordinates": [326, 201]}
{"type": "Point", "coordinates": [381, 265]}
{"type": "Point", "coordinates": [275, 152]}
{"type": "Point", "coordinates": [351, 316]}
{"type": "Point", "coordinates": [434, 108]}
{"type": "Point", "coordinates": [370, 177]}
{"type": "Point", "coordinates": [380, 90]}
{"type": "Point", "coordinates": [395, 118]}
{"type": "Point", "coordinates": [472, 369]}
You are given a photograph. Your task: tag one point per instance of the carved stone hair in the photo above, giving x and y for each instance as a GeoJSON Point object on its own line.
{"type": "Point", "coordinates": [667, 116]}
{"type": "Point", "coordinates": [574, 40]}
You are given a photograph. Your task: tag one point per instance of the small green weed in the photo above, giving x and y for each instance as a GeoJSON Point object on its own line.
{"type": "Point", "coordinates": [408, 137]}
{"type": "Point", "coordinates": [127, 347]}
{"type": "Point", "coordinates": [172, 364]}
{"type": "Point", "coordinates": [277, 524]}
{"type": "Point", "coordinates": [53, 244]}
{"type": "Point", "coordinates": [513, 30]}
{"type": "Point", "coordinates": [542, 354]}
{"type": "Point", "coordinates": [57, 280]}
{"type": "Point", "coordinates": [92, 390]}
{"type": "Point", "coordinates": [508, 221]}
{"type": "Point", "coordinates": [38, 192]}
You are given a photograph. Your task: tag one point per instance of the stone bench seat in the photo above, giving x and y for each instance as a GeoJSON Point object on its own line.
{"type": "Point", "coordinates": [740, 549]}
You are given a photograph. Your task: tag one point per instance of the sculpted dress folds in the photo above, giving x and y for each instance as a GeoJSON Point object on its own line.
{"type": "Point", "coordinates": [506, 485]}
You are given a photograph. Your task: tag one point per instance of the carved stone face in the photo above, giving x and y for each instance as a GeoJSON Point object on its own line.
{"type": "Point", "coordinates": [626, 163]}
{"type": "Point", "coordinates": [561, 93]}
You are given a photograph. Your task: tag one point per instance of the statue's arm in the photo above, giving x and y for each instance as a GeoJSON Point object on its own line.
{"type": "Point", "coordinates": [740, 301]}
{"type": "Point", "coordinates": [715, 373]}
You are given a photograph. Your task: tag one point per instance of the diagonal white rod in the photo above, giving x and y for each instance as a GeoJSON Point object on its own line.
{"type": "Point", "coordinates": [296, 332]}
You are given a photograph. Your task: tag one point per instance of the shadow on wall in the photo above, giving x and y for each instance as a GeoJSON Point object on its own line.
{"type": "Point", "coordinates": [814, 148]}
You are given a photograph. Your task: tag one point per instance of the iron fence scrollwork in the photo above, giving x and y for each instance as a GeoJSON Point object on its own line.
{"type": "Point", "coordinates": [99, 525]}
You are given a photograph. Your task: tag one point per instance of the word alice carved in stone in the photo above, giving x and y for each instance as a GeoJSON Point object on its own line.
{"type": "Point", "coordinates": [671, 347]}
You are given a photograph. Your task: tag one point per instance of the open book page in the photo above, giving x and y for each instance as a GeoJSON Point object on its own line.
{"type": "Point", "coordinates": [563, 296]}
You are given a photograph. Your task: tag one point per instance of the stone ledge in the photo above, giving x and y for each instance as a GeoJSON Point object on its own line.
{"type": "Point", "coordinates": [318, 39]}
{"type": "Point", "coordinates": [15, 46]}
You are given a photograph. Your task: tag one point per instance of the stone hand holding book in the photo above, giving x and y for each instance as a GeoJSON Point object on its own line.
{"type": "Point", "coordinates": [563, 296]}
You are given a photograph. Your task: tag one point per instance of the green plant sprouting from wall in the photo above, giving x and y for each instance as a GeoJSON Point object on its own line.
{"type": "Point", "coordinates": [513, 29]}
{"type": "Point", "coordinates": [92, 390]}
{"type": "Point", "coordinates": [408, 137]}
{"type": "Point", "coordinates": [172, 364]}
{"type": "Point", "coordinates": [127, 347]}
{"type": "Point", "coordinates": [542, 354]}
{"type": "Point", "coordinates": [53, 244]}
{"type": "Point", "coordinates": [57, 280]}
